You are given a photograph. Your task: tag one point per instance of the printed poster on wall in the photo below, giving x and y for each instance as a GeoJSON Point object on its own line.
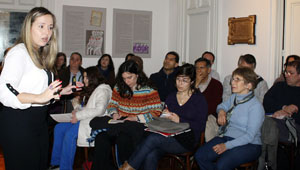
{"type": "Point", "coordinates": [132, 33]}
{"type": "Point", "coordinates": [83, 30]}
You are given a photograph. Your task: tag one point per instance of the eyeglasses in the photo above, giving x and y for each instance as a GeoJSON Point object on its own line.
{"type": "Point", "coordinates": [184, 80]}
{"type": "Point", "coordinates": [288, 73]}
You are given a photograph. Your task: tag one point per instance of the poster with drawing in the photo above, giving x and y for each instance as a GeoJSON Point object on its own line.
{"type": "Point", "coordinates": [83, 30]}
{"type": "Point", "coordinates": [94, 42]}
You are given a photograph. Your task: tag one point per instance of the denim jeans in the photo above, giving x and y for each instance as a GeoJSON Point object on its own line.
{"type": "Point", "coordinates": [152, 149]}
{"type": "Point", "coordinates": [206, 157]}
{"type": "Point", "coordinates": [65, 143]}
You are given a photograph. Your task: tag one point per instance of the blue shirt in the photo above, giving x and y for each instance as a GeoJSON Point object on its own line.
{"type": "Point", "coordinates": [245, 122]}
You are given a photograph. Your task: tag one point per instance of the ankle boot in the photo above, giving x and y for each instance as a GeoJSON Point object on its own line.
{"type": "Point", "coordinates": [126, 166]}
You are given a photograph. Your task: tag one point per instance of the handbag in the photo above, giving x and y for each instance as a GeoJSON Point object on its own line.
{"type": "Point", "coordinates": [166, 125]}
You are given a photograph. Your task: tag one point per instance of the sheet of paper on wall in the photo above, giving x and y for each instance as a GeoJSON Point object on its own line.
{"type": "Point", "coordinates": [64, 117]}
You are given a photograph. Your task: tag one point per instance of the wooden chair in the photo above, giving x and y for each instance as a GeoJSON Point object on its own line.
{"type": "Point", "coordinates": [249, 165]}
{"type": "Point", "coordinates": [87, 149]}
{"type": "Point", "coordinates": [185, 159]}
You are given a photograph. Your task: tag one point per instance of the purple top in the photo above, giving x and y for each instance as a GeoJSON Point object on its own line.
{"type": "Point", "coordinates": [194, 112]}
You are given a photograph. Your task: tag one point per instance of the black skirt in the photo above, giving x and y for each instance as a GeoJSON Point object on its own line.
{"type": "Point", "coordinates": [24, 137]}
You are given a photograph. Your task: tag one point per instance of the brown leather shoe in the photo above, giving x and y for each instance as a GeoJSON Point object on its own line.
{"type": "Point", "coordinates": [126, 166]}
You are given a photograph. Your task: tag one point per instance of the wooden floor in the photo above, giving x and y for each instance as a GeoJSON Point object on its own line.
{"type": "Point", "coordinates": [2, 165]}
{"type": "Point", "coordinates": [163, 164]}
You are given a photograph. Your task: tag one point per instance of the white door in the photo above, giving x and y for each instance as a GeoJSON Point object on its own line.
{"type": "Point", "coordinates": [292, 27]}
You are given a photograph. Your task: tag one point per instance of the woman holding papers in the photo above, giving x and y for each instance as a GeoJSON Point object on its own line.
{"type": "Point", "coordinates": [92, 102]}
{"type": "Point", "coordinates": [240, 117]}
{"type": "Point", "coordinates": [133, 99]}
{"type": "Point", "coordinates": [186, 105]}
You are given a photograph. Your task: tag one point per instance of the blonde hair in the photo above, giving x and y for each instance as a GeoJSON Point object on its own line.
{"type": "Point", "coordinates": [44, 57]}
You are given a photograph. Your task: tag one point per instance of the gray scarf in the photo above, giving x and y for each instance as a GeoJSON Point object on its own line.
{"type": "Point", "coordinates": [223, 129]}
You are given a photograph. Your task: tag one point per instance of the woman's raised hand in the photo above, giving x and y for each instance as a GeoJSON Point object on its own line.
{"type": "Point", "coordinates": [68, 89]}
{"type": "Point", "coordinates": [51, 92]}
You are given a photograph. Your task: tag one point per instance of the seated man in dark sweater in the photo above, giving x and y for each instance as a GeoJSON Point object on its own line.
{"type": "Point", "coordinates": [164, 80]}
{"type": "Point", "coordinates": [282, 100]}
{"type": "Point", "coordinates": [212, 90]}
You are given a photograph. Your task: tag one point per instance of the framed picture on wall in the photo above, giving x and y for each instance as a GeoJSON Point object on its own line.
{"type": "Point", "coordinates": [241, 30]}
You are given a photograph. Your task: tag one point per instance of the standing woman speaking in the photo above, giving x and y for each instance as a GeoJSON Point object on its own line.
{"type": "Point", "coordinates": [26, 89]}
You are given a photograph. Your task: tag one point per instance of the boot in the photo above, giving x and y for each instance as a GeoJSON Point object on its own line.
{"type": "Point", "coordinates": [126, 166]}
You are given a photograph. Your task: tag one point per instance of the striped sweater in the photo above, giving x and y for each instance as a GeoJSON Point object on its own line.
{"type": "Point", "coordinates": [145, 103]}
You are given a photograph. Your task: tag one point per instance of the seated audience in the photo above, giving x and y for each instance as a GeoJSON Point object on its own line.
{"type": "Point", "coordinates": [74, 70]}
{"type": "Point", "coordinates": [289, 59]}
{"type": "Point", "coordinates": [186, 105]}
{"type": "Point", "coordinates": [93, 102]}
{"type": "Point", "coordinates": [134, 100]}
{"type": "Point", "coordinates": [107, 69]}
{"type": "Point", "coordinates": [164, 80]}
{"type": "Point", "coordinates": [240, 117]}
{"type": "Point", "coordinates": [211, 57]}
{"type": "Point", "coordinates": [282, 102]}
{"type": "Point", "coordinates": [249, 61]}
{"type": "Point", "coordinates": [212, 90]}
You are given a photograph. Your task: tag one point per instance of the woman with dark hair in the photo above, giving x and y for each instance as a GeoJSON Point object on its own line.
{"type": "Point", "coordinates": [186, 105]}
{"type": "Point", "coordinates": [134, 100]}
{"type": "Point", "coordinates": [60, 63]}
{"type": "Point", "coordinates": [240, 117]}
{"type": "Point", "coordinates": [128, 56]}
{"type": "Point", "coordinates": [61, 60]}
{"type": "Point", "coordinates": [138, 60]}
{"type": "Point", "coordinates": [107, 69]}
{"type": "Point", "coordinates": [92, 102]}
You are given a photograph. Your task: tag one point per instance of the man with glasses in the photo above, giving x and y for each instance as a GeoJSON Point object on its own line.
{"type": "Point", "coordinates": [289, 59]}
{"type": "Point", "coordinates": [164, 80]}
{"type": "Point", "coordinates": [249, 61]}
{"type": "Point", "coordinates": [212, 90]}
{"type": "Point", "coordinates": [282, 103]}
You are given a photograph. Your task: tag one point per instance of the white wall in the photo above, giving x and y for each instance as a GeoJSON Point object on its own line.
{"type": "Point", "coordinates": [262, 50]}
{"type": "Point", "coordinates": [160, 26]}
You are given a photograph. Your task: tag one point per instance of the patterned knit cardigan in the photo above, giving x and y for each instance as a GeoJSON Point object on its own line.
{"type": "Point", "coordinates": [145, 103]}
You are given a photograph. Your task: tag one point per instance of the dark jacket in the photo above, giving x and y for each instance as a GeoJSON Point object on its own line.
{"type": "Point", "coordinates": [109, 76]}
{"type": "Point", "coordinates": [65, 74]}
{"type": "Point", "coordinates": [281, 94]}
{"type": "Point", "coordinates": [164, 83]}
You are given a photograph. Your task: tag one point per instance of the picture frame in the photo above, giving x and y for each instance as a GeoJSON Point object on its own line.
{"type": "Point", "coordinates": [241, 30]}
